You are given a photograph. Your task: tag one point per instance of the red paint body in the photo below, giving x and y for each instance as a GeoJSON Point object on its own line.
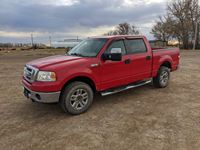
{"type": "Point", "coordinates": [107, 74]}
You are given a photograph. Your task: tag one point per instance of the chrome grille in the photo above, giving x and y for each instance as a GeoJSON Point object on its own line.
{"type": "Point", "coordinates": [30, 73]}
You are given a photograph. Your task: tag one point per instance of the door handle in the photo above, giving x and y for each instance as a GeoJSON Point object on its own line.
{"type": "Point", "coordinates": [127, 61]}
{"type": "Point", "coordinates": [148, 57]}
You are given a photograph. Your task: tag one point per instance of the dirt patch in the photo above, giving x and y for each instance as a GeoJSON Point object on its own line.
{"type": "Point", "coordinates": [142, 118]}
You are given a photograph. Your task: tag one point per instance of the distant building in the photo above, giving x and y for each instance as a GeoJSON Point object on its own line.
{"type": "Point", "coordinates": [67, 43]}
{"type": "Point", "coordinates": [174, 42]}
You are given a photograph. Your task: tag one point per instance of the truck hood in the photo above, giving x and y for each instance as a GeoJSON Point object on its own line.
{"type": "Point", "coordinates": [52, 60]}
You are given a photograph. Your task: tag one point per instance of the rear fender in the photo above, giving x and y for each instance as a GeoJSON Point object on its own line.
{"type": "Point", "coordinates": [162, 60]}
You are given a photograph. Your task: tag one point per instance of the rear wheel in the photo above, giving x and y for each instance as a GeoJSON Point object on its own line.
{"type": "Point", "coordinates": [76, 98]}
{"type": "Point", "coordinates": [162, 78]}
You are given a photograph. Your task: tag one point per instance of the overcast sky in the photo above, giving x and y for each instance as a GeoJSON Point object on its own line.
{"type": "Point", "coordinates": [69, 18]}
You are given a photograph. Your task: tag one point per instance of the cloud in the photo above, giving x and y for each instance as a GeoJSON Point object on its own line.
{"type": "Point", "coordinates": [75, 16]}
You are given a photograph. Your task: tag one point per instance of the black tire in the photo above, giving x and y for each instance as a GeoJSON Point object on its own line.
{"type": "Point", "coordinates": [74, 96]}
{"type": "Point", "coordinates": [162, 78]}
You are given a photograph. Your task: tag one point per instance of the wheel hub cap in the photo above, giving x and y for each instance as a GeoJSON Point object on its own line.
{"type": "Point", "coordinates": [164, 77]}
{"type": "Point", "coordinates": [79, 99]}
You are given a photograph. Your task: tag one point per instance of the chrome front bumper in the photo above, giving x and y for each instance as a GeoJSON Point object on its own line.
{"type": "Point", "coordinates": [50, 97]}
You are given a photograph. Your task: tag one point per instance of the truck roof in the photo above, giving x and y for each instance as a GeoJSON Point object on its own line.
{"type": "Point", "coordinates": [119, 36]}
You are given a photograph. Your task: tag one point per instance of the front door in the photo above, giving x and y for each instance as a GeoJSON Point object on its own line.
{"type": "Point", "coordinates": [115, 73]}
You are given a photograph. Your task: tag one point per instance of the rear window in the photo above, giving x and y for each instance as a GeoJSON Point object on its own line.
{"type": "Point", "coordinates": [135, 46]}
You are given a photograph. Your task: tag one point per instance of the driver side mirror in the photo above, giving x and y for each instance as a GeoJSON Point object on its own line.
{"type": "Point", "coordinates": [115, 55]}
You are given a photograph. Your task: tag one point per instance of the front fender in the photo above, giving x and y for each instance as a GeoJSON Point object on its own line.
{"type": "Point", "coordinates": [81, 74]}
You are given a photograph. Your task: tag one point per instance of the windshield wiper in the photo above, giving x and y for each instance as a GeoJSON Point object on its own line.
{"type": "Point", "coordinates": [76, 54]}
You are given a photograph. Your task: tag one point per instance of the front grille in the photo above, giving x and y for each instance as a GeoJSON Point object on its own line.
{"type": "Point", "coordinates": [30, 73]}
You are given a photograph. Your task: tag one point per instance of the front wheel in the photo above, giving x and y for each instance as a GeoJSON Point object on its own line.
{"type": "Point", "coordinates": [76, 98]}
{"type": "Point", "coordinates": [162, 78]}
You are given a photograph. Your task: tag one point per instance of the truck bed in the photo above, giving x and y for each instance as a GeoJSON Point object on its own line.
{"type": "Point", "coordinates": [169, 54]}
{"type": "Point", "coordinates": [161, 48]}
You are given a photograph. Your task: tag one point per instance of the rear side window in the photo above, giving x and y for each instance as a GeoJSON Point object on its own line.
{"type": "Point", "coordinates": [135, 46]}
{"type": "Point", "coordinates": [117, 44]}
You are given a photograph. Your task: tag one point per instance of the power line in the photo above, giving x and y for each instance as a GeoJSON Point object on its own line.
{"type": "Point", "coordinates": [32, 40]}
{"type": "Point", "coordinates": [50, 41]}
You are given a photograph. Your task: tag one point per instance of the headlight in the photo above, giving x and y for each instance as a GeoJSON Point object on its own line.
{"type": "Point", "coordinates": [46, 76]}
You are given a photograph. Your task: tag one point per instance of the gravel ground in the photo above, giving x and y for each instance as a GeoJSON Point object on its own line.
{"type": "Point", "coordinates": [142, 118]}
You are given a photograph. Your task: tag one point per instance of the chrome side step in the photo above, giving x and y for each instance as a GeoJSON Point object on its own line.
{"type": "Point", "coordinates": [109, 92]}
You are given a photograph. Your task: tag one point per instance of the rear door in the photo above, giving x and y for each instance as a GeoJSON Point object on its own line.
{"type": "Point", "coordinates": [141, 59]}
{"type": "Point", "coordinates": [115, 73]}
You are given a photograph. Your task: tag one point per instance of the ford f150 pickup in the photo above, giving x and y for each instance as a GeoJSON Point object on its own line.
{"type": "Point", "coordinates": [105, 65]}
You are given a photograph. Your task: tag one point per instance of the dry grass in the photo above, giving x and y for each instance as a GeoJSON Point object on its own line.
{"type": "Point", "coordinates": [142, 118]}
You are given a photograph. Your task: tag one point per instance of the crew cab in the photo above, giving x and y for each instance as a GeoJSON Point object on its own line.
{"type": "Point", "coordinates": [106, 65]}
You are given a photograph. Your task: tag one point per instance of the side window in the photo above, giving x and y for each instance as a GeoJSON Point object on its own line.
{"type": "Point", "coordinates": [135, 46]}
{"type": "Point", "coordinates": [116, 44]}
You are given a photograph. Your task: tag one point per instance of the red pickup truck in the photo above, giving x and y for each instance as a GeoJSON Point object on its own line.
{"type": "Point", "coordinates": [99, 64]}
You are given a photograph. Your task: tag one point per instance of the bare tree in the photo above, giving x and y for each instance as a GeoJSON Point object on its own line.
{"type": "Point", "coordinates": [179, 22]}
{"type": "Point", "coordinates": [161, 30]}
{"type": "Point", "coordinates": [179, 10]}
{"type": "Point", "coordinates": [124, 29]}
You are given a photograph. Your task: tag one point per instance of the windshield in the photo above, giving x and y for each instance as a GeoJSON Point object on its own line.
{"type": "Point", "coordinates": [88, 48]}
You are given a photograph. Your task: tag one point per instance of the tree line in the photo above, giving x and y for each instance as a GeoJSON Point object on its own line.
{"type": "Point", "coordinates": [178, 23]}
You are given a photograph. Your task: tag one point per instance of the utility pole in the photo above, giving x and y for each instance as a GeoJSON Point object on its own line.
{"type": "Point", "coordinates": [50, 41]}
{"type": "Point", "coordinates": [32, 40]}
{"type": "Point", "coordinates": [196, 27]}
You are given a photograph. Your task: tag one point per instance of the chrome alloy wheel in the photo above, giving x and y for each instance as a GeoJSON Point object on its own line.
{"type": "Point", "coordinates": [164, 77]}
{"type": "Point", "coordinates": [79, 99]}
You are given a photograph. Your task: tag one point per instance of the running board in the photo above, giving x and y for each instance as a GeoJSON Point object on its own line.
{"type": "Point", "coordinates": [117, 90]}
